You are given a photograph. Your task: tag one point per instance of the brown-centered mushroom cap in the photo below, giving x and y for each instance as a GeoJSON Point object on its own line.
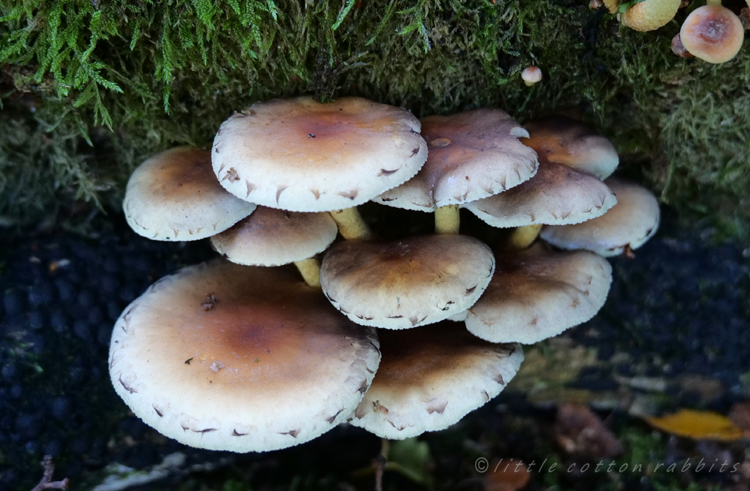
{"type": "Point", "coordinates": [174, 195]}
{"type": "Point", "coordinates": [229, 357]}
{"type": "Point", "coordinates": [628, 225]}
{"type": "Point", "coordinates": [556, 195]}
{"type": "Point", "coordinates": [472, 155]}
{"type": "Point", "coordinates": [271, 237]}
{"type": "Point", "coordinates": [302, 155]}
{"type": "Point", "coordinates": [712, 33]}
{"type": "Point", "coordinates": [538, 293]}
{"type": "Point", "coordinates": [564, 141]}
{"type": "Point", "coordinates": [431, 377]}
{"type": "Point", "coordinates": [406, 283]}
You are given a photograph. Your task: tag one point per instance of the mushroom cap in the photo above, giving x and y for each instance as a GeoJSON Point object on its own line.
{"type": "Point", "coordinates": [236, 358]}
{"type": "Point", "coordinates": [174, 195]}
{"type": "Point", "coordinates": [564, 141]}
{"type": "Point", "coordinates": [537, 293]}
{"type": "Point", "coordinates": [303, 155]}
{"type": "Point", "coordinates": [431, 377]}
{"type": "Point", "coordinates": [406, 283]}
{"type": "Point", "coordinates": [556, 195]}
{"type": "Point", "coordinates": [271, 237]}
{"type": "Point", "coordinates": [712, 33]}
{"type": "Point", "coordinates": [629, 224]}
{"type": "Point", "coordinates": [472, 155]}
{"type": "Point", "coordinates": [531, 75]}
{"type": "Point", "coordinates": [650, 14]}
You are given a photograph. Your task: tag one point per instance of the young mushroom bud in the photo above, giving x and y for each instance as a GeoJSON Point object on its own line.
{"type": "Point", "coordinates": [531, 75]}
{"type": "Point", "coordinates": [678, 48]}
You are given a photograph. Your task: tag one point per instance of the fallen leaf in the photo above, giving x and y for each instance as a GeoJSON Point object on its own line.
{"type": "Point", "coordinates": [579, 431]}
{"type": "Point", "coordinates": [506, 475]}
{"type": "Point", "coordinates": [698, 425]}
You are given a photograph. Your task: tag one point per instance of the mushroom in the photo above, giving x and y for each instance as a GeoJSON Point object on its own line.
{"type": "Point", "coordinates": [302, 155]}
{"type": "Point", "coordinates": [174, 195]}
{"type": "Point", "coordinates": [431, 377]}
{"type": "Point", "coordinates": [472, 155]}
{"type": "Point", "coordinates": [538, 293]}
{"type": "Point", "coordinates": [624, 228]}
{"type": "Point", "coordinates": [712, 33]}
{"type": "Point", "coordinates": [271, 237]}
{"type": "Point", "coordinates": [237, 358]}
{"type": "Point", "coordinates": [561, 140]}
{"type": "Point", "coordinates": [406, 283]}
{"type": "Point", "coordinates": [649, 15]}
{"type": "Point", "coordinates": [531, 75]}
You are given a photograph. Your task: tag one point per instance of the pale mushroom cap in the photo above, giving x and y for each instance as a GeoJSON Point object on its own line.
{"type": "Point", "coordinates": [302, 155]}
{"type": "Point", "coordinates": [556, 195]}
{"type": "Point", "coordinates": [531, 75]}
{"type": "Point", "coordinates": [650, 14]}
{"type": "Point", "coordinates": [229, 357]}
{"type": "Point", "coordinates": [537, 293]}
{"type": "Point", "coordinates": [712, 33]}
{"type": "Point", "coordinates": [472, 155]}
{"type": "Point", "coordinates": [406, 283]}
{"type": "Point", "coordinates": [271, 237]}
{"type": "Point", "coordinates": [629, 224]}
{"type": "Point", "coordinates": [564, 141]}
{"type": "Point", "coordinates": [174, 195]}
{"type": "Point", "coordinates": [431, 377]}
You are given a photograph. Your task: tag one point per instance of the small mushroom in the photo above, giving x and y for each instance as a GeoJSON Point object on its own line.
{"type": "Point", "coordinates": [712, 33]}
{"type": "Point", "coordinates": [624, 228]}
{"type": "Point", "coordinates": [406, 283]}
{"type": "Point", "coordinates": [538, 293]}
{"type": "Point", "coordinates": [238, 358]}
{"type": "Point", "coordinates": [431, 377]}
{"type": "Point", "coordinates": [174, 196]}
{"type": "Point", "coordinates": [531, 75]}
{"type": "Point", "coordinates": [650, 15]}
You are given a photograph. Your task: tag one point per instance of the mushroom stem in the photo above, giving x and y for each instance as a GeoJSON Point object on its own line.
{"type": "Point", "coordinates": [350, 223]}
{"type": "Point", "coordinates": [447, 219]}
{"type": "Point", "coordinates": [310, 270]}
{"type": "Point", "coordinates": [522, 237]}
{"type": "Point", "coordinates": [714, 2]}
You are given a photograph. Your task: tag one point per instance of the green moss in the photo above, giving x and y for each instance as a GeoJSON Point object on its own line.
{"type": "Point", "coordinates": [91, 88]}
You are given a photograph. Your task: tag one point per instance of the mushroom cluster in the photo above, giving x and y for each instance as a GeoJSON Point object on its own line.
{"type": "Point", "coordinates": [400, 337]}
{"type": "Point", "coordinates": [712, 32]}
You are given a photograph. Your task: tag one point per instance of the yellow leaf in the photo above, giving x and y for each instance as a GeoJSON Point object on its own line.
{"type": "Point", "coordinates": [698, 425]}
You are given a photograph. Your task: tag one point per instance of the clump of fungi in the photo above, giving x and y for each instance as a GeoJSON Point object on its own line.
{"type": "Point", "coordinates": [245, 353]}
{"type": "Point", "coordinates": [712, 33]}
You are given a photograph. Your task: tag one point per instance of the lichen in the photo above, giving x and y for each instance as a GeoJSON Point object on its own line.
{"type": "Point", "coordinates": [91, 88]}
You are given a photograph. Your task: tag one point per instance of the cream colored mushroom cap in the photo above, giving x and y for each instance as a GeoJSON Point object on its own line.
{"type": "Point", "coordinates": [556, 195]}
{"type": "Point", "coordinates": [712, 33]}
{"type": "Point", "coordinates": [537, 293]}
{"type": "Point", "coordinates": [564, 141]}
{"type": "Point", "coordinates": [302, 155]}
{"type": "Point", "coordinates": [650, 15]}
{"type": "Point", "coordinates": [406, 283]}
{"type": "Point", "coordinates": [431, 377]}
{"type": "Point", "coordinates": [229, 357]}
{"type": "Point", "coordinates": [271, 237]}
{"type": "Point", "coordinates": [629, 224]}
{"type": "Point", "coordinates": [174, 195]}
{"type": "Point", "coordinates": [472, 155]}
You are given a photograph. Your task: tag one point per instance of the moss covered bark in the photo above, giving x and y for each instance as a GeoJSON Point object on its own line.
{"type": "Point", "coordinates": [91, 87]}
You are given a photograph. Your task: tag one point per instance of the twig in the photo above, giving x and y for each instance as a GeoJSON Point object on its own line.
{"type": "Point", "coordinates": [46, 482]}
{"type": "Point", "coordinates": [379, 464]}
